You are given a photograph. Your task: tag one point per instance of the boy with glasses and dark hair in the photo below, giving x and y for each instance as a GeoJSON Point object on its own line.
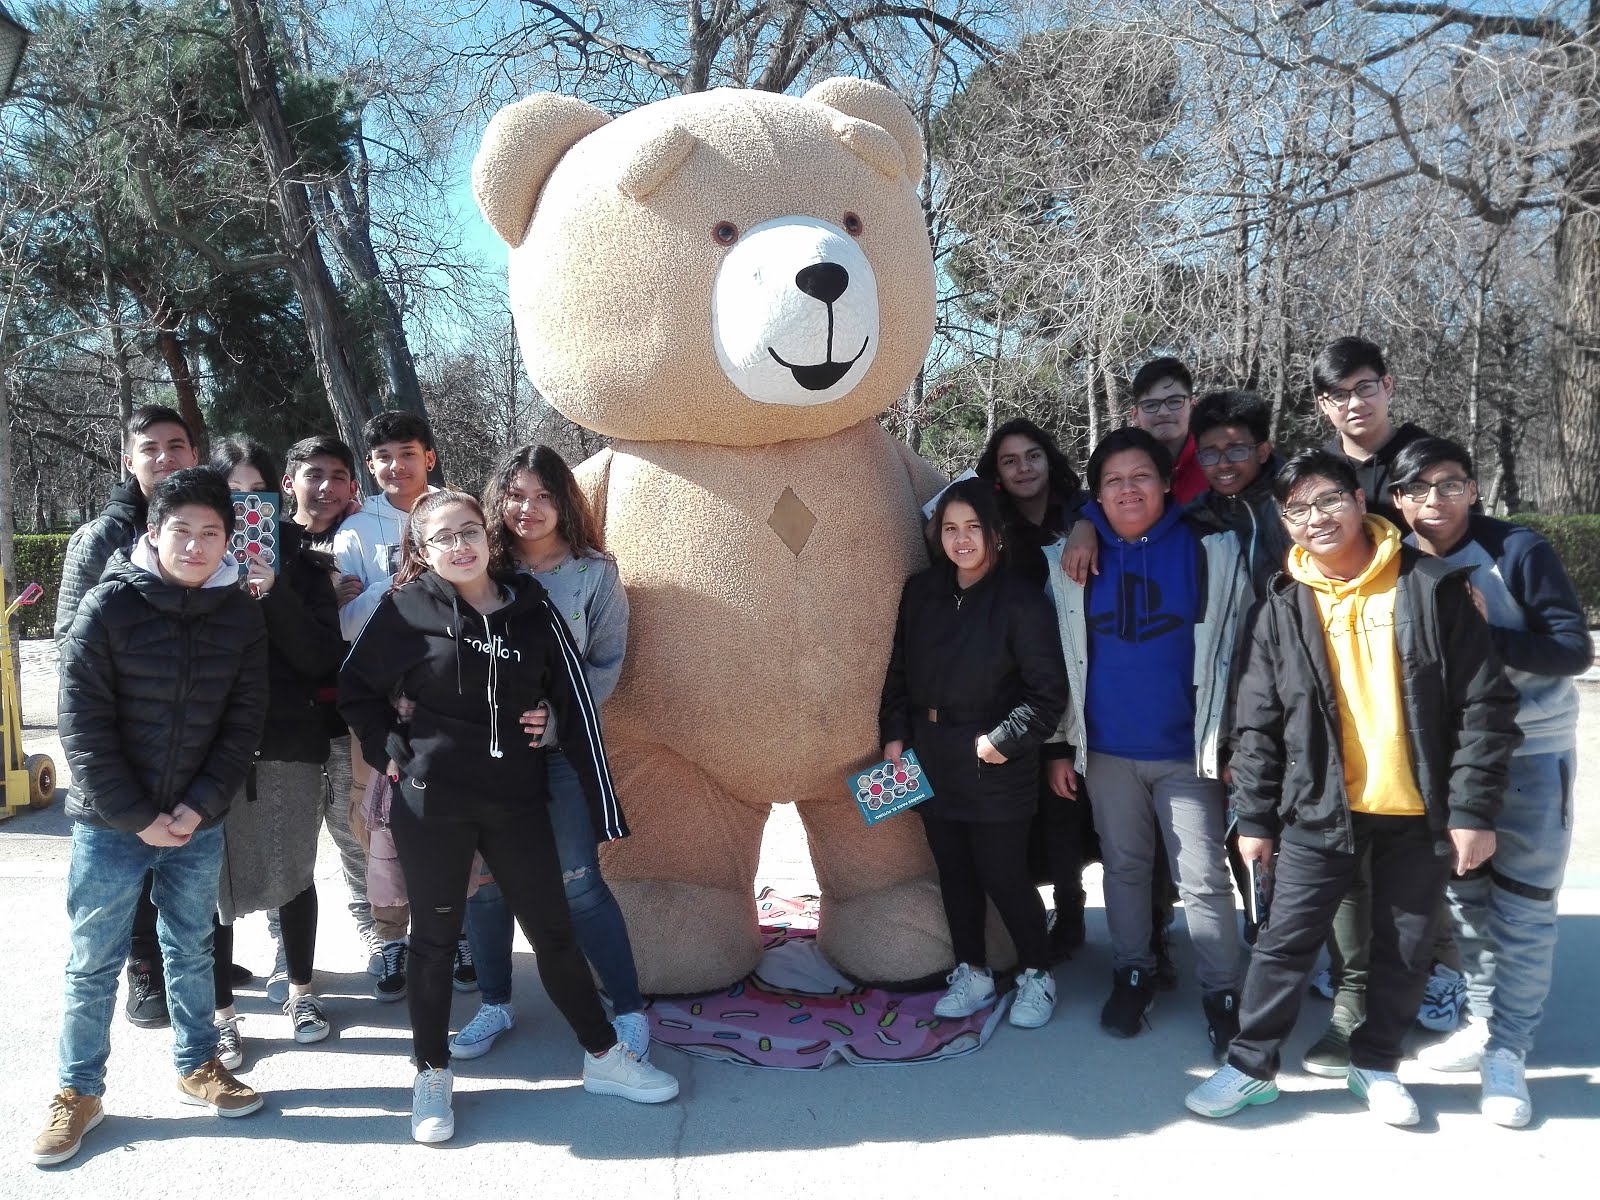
{"type": "Point", "coordinates": [1371, 720]}
{"type": "Point", "coordinates": [1233, 446]}
{"type": "Point", "coordinates": [1163, 394]}
{"type": "Point", "coordinates": [1504, 913]}
{"type": "Point", "coordinates": [1354, 391]}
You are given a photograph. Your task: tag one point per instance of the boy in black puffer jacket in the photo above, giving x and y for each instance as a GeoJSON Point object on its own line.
{"type": "Point", "coordinates": [163, 696]}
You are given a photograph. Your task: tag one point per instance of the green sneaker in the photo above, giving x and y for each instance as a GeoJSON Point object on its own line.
{"type": "Point", "coordinates": [1329, 1055]}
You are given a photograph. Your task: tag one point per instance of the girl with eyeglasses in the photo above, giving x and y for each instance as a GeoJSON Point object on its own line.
{"type": "Point", "coordinates": [541, 526]}
{"type": "Point", "coordinates": [475, 651]}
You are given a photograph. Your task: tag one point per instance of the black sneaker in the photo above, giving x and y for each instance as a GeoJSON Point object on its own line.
{"type": "Point", "coordinates": [239, 974]}
{"type": "Point", "coordinates": [391, 985]}
{"type": "Point", "coordinates": [464, 976]}
{"type": "Point", "coordinates": [147, 995]}
{"type": "Point", "coordinates": [1132, 995]}
{"type": "Point", "coordinates": [1222, 1019]}
{"type": "Point", "coordinates": [1164, 975]}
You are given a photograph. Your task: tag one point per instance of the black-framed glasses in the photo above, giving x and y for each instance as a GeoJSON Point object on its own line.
{"type": "Point", "coordinates": [1233, 452]}
{"type": "Point", "coordinates": [1340, 397]}
{"type": "Point", "coordinates": [1166, 404]}
{"type": "Point", "coordinates": [1449, 489]}
{"type": "Point", "coordinates": [469, 535]}
{"type": "Point", "coordinates": [1328, 502]}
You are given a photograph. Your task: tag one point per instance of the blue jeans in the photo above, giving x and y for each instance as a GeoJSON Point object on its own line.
{"type": "Point", "coordinates": [596, 916]}
{"type": "Point", "coordinates": [103, 884]}
{"type": "Point", "coordinates": [1505, 915]}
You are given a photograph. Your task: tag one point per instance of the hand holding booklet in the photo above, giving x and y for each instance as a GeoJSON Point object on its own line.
{"type": "Point", "coordinates": [885, 789]}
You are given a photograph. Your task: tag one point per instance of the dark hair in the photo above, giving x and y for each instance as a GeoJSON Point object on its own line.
{"type": "Point", "coordinates": [979, 493]}
{"type": "Point", "coordinates": [205, 486]}
{"type": "Point", "coordinates": [395, 426]}
{"type": "Point", "coordinates": [413, 564]}
{"type": "Point", "coordinates": [1129, 437]}
{"type": "Point", "coordinates": [1232, 407]}
{"type": "Point", "coordinates": [1063, 479]}
{"type": "Point", "coordinates": [1154, 371]}
{"type": "Point", "coordinates": [575, 522]}
{"type": "Point", "coordinates": [1340, 359]}
{"type": "Point", "coordinates": [1423, 455]}
{"type": "Point", "coordinates": [1313, 464]}
{"type": "Point", "coordinates": [235, 450]}
{"type": "Point", "coordinates": [140, 420]}
{"type": "Point", "coordinates": [320, 446]}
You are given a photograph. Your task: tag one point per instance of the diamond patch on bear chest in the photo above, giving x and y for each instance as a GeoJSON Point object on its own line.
{"type": "Point", "coordinates": [792, 521]}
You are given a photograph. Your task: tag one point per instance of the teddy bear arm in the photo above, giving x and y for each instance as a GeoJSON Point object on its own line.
{"type": "Point", "coordinates": [594, 477]}
{"type": "Point", "coordinates": [926, 479]}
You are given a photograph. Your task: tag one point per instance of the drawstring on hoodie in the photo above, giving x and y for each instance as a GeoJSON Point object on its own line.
{"type": "Point", "coordinates": [494, 693]}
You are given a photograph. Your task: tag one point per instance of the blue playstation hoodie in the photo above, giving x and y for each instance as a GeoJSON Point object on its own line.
{"type": "Point", "coordinates": [1141, 611]}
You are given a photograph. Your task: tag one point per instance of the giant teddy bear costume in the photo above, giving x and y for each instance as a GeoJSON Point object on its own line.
{"type": "Point", "coordinates": [732, 285]}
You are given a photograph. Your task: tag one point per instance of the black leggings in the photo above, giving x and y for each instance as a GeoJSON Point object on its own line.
{"type": "Point", "coordinates": [520, 849]}
{"type": "Point", "coordinates": [145, 946]}
{"type": "Point", "coordinates": [297, 921]}
{"type": "Point", "coordinates": [978, 859]}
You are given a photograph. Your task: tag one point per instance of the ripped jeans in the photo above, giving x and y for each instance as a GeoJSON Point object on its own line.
{"type": "Point", "coordinates": [602, 935]}
{"type": "Point", "coordinates": [519, 847]}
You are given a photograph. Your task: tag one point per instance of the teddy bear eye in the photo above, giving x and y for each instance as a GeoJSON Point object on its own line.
{"type": "Point", "coordinates": [725, 233]}
{"type": "Point", "coordinates": [852, 224]}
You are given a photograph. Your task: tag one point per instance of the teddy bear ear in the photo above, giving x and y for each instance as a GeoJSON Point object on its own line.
{"type": "Point", "coordinates": [522, 145]}
{"type": "Point", "coordinates": [874, 103]}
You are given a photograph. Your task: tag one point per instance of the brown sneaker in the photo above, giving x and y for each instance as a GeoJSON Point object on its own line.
{"type": "Point", "coordinates": [211, 1086]}
{"type": "Point", "coordinates": [71, 1116]}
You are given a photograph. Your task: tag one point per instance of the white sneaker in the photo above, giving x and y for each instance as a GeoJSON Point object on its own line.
{"type": "Point", "coordinates": [620, 1073]}
{"type": "Point", "coordinates": [970, 991]}
{"type": "Point", "coordinates": [1461, 1051]}
{"type": "Point", "coordinates": [374, 944]}
{"type": "Point", "coordinates": [633, 1031]}
{"type": "Point", "coordinates": [432, 1119]}
{"type": "Point", "coordinates": [1229, 1090]}
{"type": "Point", "coordinates": [1505, 1089]}
{"type": "Point", "coordinates": [1322, 984]}
{"type": "Point", "coordinates": [1035, 999]}
{"type": "Point", "coordinates": [305, 1014]}
{"type": "Point", "coordinates": [230, 1046]}
{"type": "Point", "coordinates": [477, 1039]}
{"type": "Point", "coordinates": [1443, 1000]}
{"type": "Point", "coordinates": [1386, 1097]}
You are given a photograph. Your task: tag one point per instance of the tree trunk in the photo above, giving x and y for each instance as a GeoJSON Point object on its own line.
{"type": "Point", "coordinates": [1510, 488]}
{"type": "Point", "coordinates": [1576, 487]}
{"type": "Point", "coordinates": [177, 363]}
{"type": "Point", "coordinates": [319, 302]}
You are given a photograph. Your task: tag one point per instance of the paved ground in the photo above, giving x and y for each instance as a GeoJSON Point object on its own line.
{"type": "Point", "coordinates": [1058, 1109]}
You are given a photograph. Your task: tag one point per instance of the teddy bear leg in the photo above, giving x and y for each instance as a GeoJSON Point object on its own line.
{"type": "Point", "coordinates": [882, 919]}
{"type": "Point", "coordinates": [685, 875]}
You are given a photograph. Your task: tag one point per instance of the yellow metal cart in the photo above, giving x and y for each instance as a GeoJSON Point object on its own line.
{"type": "Point", "coordinates": [26, 781]}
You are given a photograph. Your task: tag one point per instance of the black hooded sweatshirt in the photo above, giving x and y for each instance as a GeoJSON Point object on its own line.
{"type": "Point", "coordinates": [472, 676]}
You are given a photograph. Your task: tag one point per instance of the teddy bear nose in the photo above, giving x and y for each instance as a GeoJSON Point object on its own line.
{"type": "Point", "coordinates": [823, 281]}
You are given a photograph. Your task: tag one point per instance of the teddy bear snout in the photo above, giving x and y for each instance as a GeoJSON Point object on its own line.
{"type": "Point", "coordinates": [794, 312]}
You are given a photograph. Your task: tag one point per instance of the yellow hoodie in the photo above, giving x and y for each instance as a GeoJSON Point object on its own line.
{"type": "Point", "coordinates": [1358, 626]}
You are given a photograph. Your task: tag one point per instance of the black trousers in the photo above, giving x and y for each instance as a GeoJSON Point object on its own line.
{"type": "Point", "coordinates": [297, 923]}
{"type": "Point", "coordinates": [979, 860]}
{"type": "Point", "coordinates": [1408, 880]}
{"type": "Point", "coordinates": [520, 849]}
{"type": "Point", "coordinates": [145, 946]}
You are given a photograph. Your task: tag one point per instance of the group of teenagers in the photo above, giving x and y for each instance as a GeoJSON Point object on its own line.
{"type": "Point", "coordinates": [1334, 667]}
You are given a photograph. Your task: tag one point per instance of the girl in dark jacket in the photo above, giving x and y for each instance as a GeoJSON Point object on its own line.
{"type": "Point", "coordinates": [976, 682]}
{"type": "Point", "coordinates": [270, 845]}
{"type": "Point", "coordinates": [475, 655]}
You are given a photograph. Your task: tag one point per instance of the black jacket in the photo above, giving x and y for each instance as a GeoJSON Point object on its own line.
{"type": "Point", "coordinates": [304, 650]}
{"type": "Point", "coordinates": [1288, 771]}
{"type": "Point", "coordinates": [163, 695]}
{"type": "Point", "coordinates": [1376, 473]}
{"type": "Point", "coordinates": [1256, 520]}
{"type": "Point", "coordinates": [1025, 541]}
{"type": "Point", "coordinates": [91, 546]}
{"type": "Point", "coordinates": [471, 677]}
{"type": "Point", "coordinates": [985, 660]}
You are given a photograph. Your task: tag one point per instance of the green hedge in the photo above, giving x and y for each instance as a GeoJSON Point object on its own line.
{"type": "Point", "coordinates": [1577, 540]}
{"type": "Point", "coordinates": [39, 558]}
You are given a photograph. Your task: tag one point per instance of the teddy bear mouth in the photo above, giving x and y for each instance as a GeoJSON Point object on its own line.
{"type": "Point", "coordinates": [819, 377]}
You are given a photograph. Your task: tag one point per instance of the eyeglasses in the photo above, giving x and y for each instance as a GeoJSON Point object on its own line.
{"type": "Point", "coordinates": [1340, 397]}
{"type": "Point", "coordinates": [1234, 452]}
{"type": "Point", "coordinates": [1169, 404]}
{"type": "Point", "coordinates": [1448, 489]}
{"type": "Point", "coordinates": [470, 535]}
{"type": "Point", "coordinates": [1328, 502]}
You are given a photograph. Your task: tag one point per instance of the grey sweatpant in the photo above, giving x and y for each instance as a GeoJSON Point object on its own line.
{"type": "Point", "coordinates": [1138, 806]}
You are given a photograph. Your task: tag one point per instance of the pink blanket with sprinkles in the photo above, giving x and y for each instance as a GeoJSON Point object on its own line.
{"type": "Point", "coordinates": [795, 1013]}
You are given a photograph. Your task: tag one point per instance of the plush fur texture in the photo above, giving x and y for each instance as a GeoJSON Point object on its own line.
{"type": "Point", "coordinates": [762, 520]}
